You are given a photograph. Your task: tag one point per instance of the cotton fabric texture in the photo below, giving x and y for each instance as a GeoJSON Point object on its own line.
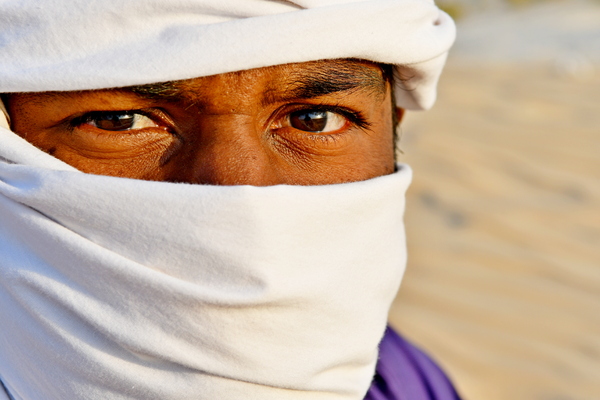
{"type": "Point", "coordinates": [91, 44]}
{"type": "Point", "coordinates": [113, 288]}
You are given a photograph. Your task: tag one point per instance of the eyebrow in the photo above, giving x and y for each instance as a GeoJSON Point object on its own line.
{"type": "Point", "coordinates": [165, 91]}
{"type": "Point", "coordinates": [318, 79]}
{"type": "Point", "coordinates": [329, 78]}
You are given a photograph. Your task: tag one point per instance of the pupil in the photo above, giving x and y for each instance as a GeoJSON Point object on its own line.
{"type": "Point", "coordinates": [115, 122]}
{"type": "Point", "coordinates": [310, 121]}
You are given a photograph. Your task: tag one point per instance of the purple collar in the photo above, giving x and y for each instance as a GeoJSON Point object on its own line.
{"type": "Point", "coordinates": [404, 372]}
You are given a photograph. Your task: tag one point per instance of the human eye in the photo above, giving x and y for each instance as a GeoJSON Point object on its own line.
{"type": "Point", "coordinates": [117, 121]}
{"type": "Point", "coordinates": [322, 120]}
{"type": "Point", "coordinates": [126, 134]}
{"type": "Point", "coordinates": [317, 121]}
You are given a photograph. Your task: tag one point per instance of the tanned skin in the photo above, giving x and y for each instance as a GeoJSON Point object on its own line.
{"type": "Point", "coordinates": [310, 123]}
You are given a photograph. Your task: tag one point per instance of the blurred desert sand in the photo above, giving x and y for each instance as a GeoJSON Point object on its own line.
{"type": "Point", "coordinates": [503, 220]}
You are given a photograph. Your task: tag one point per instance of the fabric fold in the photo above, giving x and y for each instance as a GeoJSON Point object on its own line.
{"type": "Point", "coordinates": [229, 295]}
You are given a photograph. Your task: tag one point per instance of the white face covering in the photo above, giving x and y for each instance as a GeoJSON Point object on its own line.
{"type": "Point", "coordinates": [112, 288]}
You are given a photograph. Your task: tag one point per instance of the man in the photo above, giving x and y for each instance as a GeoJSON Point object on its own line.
{"type": "Point", "coordinates": [267, 278]}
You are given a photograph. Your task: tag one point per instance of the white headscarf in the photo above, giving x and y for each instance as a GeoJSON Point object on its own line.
{"type": "Point", "coordinates": [91, 44]}
{"type": "Point", "coordinates": [113, 288]}
{"type": "Point", "coordinates": [3, 116]}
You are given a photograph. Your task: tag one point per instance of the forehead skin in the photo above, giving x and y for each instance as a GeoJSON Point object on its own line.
{"type": "Point", "coordinates": [225, 129]}
{"type": "Point", "coordinates": [290, 81]}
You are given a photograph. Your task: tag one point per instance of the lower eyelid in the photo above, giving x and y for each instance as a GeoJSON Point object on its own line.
{"type": "Point", "coordinates": [89, 129]}
{"type": "Point", "coordinates": [308, 142]}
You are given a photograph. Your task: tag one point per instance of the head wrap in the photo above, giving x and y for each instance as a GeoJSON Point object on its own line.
{"type": "Point", "coordinates": [3, 116]}
{"type": "Point", "coordinates": [113, 288]}
{"type": "Point", "coordinates": [92, 44]}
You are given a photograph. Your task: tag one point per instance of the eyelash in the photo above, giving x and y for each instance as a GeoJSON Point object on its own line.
{"type": "Point", "coordinates": [354, 117]}
{"type": "Point", "coordinates": [90, 116]}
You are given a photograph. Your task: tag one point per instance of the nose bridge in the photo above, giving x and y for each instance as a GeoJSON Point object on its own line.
{"type": "Point", "coordinates": [229, 149]}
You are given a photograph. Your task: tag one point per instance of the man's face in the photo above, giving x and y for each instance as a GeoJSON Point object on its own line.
{"type": "Point", "coordinates": [307, 124]}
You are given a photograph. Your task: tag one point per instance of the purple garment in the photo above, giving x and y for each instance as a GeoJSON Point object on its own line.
{"type": "Point", "coordinates": [405, 373]}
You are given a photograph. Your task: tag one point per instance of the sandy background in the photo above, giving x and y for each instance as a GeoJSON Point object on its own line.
{"type": "Point", "coordinates": [503, 218]}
